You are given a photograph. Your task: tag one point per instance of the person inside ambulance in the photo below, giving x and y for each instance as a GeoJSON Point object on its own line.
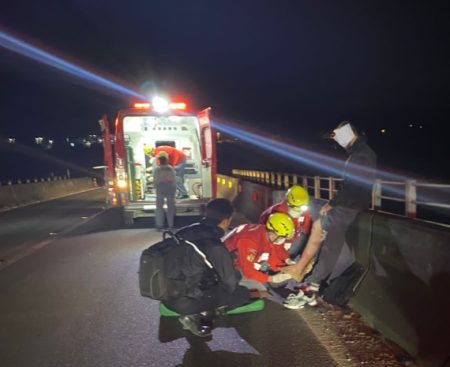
{"type": "Point", "coordinates": [177, 159]}
{"type": "Point", "coordinates": [295, 205]}
{"type": "Point", "coordinates": [254, 247]}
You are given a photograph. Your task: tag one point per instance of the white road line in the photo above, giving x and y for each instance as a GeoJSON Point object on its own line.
{"type": "Point", "coordinates": [39, 245]}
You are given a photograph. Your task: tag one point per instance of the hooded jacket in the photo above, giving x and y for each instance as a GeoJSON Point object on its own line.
{"type": "Point", "coordinates": [358, 177]}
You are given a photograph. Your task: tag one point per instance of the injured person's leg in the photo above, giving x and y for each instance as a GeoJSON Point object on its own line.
{"type": "Point", "coordinates": [306, 261]}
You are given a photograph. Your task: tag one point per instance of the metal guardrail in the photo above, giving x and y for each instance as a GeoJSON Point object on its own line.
{"type": "Point", "coordinates": [32, 180]}
{"type": "Point", "coordinates": [384, 194]}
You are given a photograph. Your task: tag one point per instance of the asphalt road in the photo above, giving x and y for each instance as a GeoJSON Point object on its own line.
{"type": "Point", "coordinates": [71, 299]}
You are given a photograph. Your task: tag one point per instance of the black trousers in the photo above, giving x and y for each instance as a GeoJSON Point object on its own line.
{"type": "Point", "coordinates": [211, 299]}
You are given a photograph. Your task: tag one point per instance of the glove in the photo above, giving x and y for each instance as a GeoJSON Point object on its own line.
{"type": "Point", "coordinates": [280, 277]}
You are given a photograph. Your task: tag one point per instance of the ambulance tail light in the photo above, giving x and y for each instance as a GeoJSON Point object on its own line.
{"type": "Point", "coordinates": [121, 184]}
{"type": "Point", "coordinates": [182, 106]}
{"type": "Point", "coordinates": [141, 106]}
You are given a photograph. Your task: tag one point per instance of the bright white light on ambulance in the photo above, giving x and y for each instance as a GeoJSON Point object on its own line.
{"type": "Point", "coordinates": [178, 106]}
{"type": "Point", "coordinates": [141, 106]}
{"type": "Point", "coordinates": [121, 184]}
{"type": "Point", "coordinates": [160, 105]}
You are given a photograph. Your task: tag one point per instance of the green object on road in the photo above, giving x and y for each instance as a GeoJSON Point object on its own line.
{"type": "Point", "coordinates": [257, 305]}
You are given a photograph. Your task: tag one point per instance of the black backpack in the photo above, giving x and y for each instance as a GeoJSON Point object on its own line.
{"type": "Point", "coordinates": [341, 288]}
{"type": "Point", "coordinates": [159, 269]}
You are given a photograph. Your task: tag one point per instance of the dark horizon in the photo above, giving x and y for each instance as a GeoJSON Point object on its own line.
{"type": "Point", "coordinates": [291, 69]}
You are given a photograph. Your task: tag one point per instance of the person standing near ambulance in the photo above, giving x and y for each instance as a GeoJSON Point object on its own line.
{"type": "Point", "coordinates": [332, 220]}
{"type": "Point", "coordinates": [165, 186]}
{"type": "Point", "coordinates": [177, 159]}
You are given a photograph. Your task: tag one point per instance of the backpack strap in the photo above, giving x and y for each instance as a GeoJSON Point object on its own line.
{"type": "Point", "coordinates": [198, 251]}
{"type": "Point", "coordinates": [193, 245]}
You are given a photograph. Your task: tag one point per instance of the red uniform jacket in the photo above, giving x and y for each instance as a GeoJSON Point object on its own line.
{"type": "Point", "coordinates": [302, 226]}
{"type": "Point", "coordinates": [252, 247]}
{"type": "Point", "coordinates": [175, 155]}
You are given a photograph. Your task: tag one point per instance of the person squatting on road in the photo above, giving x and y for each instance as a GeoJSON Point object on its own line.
{"type": "Point", "coordinates": [207, 291]}
{"type": "Point", "coordinates": [165, 185]}
{"type": "Point", "coordinates": [259, 252]}
{"type": "Point", "coordinates": [331, 221]}
{"type": "Point", "coordinates": [295, 205]}
{"type": "Point", "coordinates": [177, 159]}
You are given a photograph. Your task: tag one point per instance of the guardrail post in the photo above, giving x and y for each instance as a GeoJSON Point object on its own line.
{"type": "Point", "coordinates": [331, 187]}
{"type": "Point", "coordinates": [410, 199]}
{"type": "Point", "coordinates": [286, 181]}
{"type": "Point", "coordinates": [376, 195]}
{"type": "Point", "coordinates": [317, 187]}
{"type": "Point", "coordinates": [272, 178]}
{"type": "Point", "coordinates": [278, 179]}
{"type": "Point", "coordinates": [294, 180]}
{"type": "Point", "coordinates": [305, 182]}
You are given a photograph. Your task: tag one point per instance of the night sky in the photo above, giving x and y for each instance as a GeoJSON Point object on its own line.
{"type": "Point", "coordinates": [291, 68]}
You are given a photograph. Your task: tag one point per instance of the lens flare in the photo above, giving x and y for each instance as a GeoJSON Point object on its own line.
{"type": "Point", "coordinates": [25, 49]}
{"type": "Point", "coordinates": [310, 158]}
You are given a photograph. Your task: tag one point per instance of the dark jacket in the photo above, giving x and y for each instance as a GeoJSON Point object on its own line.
{"type": "Point", "coordinates": [197, 276]}
{"type": "Point", "coordinates": [358, 178]}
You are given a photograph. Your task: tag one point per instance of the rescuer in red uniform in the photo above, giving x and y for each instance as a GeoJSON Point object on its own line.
{"type": "Point", "coordinates": [254, 246]}
{"type": "Point", "coordinates": [295, 205]}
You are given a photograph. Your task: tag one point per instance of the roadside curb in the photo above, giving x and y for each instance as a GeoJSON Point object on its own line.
{"type": "Point", "coordinates": [7, 209]}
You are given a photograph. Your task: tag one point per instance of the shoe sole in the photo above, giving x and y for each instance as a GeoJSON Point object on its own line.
{"type": "Point", "coordinates": [294, 307]}
{"type": "Point", "coordinates": [186, 327]}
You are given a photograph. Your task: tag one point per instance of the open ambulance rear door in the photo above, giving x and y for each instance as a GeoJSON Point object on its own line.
{"type": "Point", "coordinates": [108, 161]}
{"type": "Point", "coordinates": [208, 152]}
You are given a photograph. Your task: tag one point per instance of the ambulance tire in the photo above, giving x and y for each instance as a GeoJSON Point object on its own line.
{"type": "Point", "coordinates": [128, 218]}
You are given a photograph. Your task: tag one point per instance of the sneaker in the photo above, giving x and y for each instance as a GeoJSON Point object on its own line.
{"type": "Point", "coordinates": [295, 301]}
{"type": "Point", "coordinates": [309, 287]}
{"type": "Point", "coordinates": [194, 324]}
{"type": "Point", "coordinates": [310, 291]}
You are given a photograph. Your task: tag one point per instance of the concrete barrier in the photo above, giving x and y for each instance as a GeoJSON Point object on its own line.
{"type": "Point", "coordinates": [12, 196]}
{"type": "Point", "coordinates": [405, 293]}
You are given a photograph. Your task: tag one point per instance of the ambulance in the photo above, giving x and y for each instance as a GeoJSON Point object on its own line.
{"type": "Point", "coordinates": [152, 124]}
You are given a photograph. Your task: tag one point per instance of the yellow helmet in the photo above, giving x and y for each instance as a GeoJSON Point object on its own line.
{"type": "Point", "coordinates": [281, 224]}
{"type": "Point", "coordinates": [297, 196]}
{"type": "Point", "coordinates": [147, 149]}
{"type": "Point", "coordinates": [163, 154]}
